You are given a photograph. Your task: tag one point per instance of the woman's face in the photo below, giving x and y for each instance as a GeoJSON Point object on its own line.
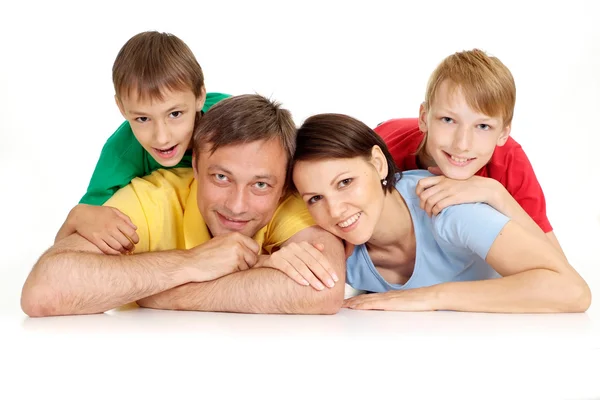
{"type": "Point", "coordinates": [343, 195]}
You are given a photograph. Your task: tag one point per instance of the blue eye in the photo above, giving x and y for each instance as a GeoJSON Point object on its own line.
{"type": "Point", "coordinates": [220, 177]}
{"type": "Point", "coordinates": [261, 185]}
{"type": "Point", "coordinates": [447, 120]}
{"type": "Point", "coordinates": [484, 127]}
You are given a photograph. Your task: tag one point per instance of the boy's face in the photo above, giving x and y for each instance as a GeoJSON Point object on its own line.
{"type": "Point", "coordinates": [240, 185]}
{"type": "Point", "coordinates": [163, 128]}
{"type": "Point", "coordinates": [460, 140]}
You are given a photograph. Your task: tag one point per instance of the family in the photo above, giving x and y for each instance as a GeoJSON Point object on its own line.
{"type": "Point", "coordinates": [211, 202]}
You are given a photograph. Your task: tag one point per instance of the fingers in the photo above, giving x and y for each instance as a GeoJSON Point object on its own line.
{"type": "Point", "coordinates": [246, 241]}
{"type": "Point", "coordinates": [113, 244]}
{"type": "Point", "coordinates": [124, 241]}
{"type": "Point", "coordinates": [426, 183]}
{"type": "Point", "coordinates": [363, 302]}
{"type": "Point", "coordinates": [287, 268]}
{"type": "Point", "coordinates": [309, 262]}
{"type": "Point", "coordinates": [130, 233]}
{"type": "Point", "coordinates": [316, 261]}
{"type": "Point", "coordinates": [125, 218]}
{"type": "Point", "coordinates": [431, 201]}
{"type": "Point", "coordinates": [248, 257]}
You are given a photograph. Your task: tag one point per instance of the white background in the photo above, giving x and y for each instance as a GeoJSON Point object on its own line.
{"type": "Point", "coordinates": [369, 59]}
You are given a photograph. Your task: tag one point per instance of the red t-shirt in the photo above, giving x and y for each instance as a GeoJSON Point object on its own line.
{"type": "Point", "coordinates": [509, 165]}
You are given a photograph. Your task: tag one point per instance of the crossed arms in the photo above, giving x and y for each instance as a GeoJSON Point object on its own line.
{"type": "Point", "coordinates": [74, 277]}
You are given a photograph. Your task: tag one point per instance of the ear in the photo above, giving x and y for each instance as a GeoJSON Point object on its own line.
{"type": "Point", "coordinates": [503, 136]}
{"type": "Point", "coordinates": [120, 105]}
{"type": "Point", "coordinates": [379, 161]}
{"type": "Point", "coordinates": [200, 100]}
{"type": "Point", "coordinates": [423, 117]}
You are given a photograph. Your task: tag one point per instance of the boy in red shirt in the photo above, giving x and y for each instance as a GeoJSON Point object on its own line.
{"type": "Point", "coordinates": [462, 134]}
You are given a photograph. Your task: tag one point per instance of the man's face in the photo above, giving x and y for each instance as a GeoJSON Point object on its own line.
{"type": "Point", "coordinates": [240, 185]}
{"type": "Point", "coordinates": [163, 128]}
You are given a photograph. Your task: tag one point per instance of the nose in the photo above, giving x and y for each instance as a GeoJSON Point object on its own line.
{"type": "Point", "coordinates": [463, 139]}
{"type": "Point", "coordinates": [337, 208]}
{"type": "Point", "coordinates": [162, 134]}
{"type": "Point", "coordinates": [237, 201]}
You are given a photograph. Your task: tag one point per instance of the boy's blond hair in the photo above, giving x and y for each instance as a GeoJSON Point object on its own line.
{"type": "Point", "coordinates": [152, 62]}
{"type": "Point", "coordinates": [486, 83]}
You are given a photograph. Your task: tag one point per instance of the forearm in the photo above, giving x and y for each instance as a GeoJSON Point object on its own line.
{"type": "Point", "coordinates": [72, 282]}
{"type": "Point", "coordinates": [259, 290]}
{"type": "Point", "coordinates": [532, 291]}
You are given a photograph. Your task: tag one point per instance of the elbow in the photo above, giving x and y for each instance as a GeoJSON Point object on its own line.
{"type": "Point", "coordinates": [579, 297]}
{"type": "Point", "coordinates": [36, 300]}
{"type": "Point", "coordinates": [331, 300]}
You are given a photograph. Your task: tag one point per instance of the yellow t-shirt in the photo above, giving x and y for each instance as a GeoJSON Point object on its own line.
{"type": "Point", "coordinates": [163, 207]}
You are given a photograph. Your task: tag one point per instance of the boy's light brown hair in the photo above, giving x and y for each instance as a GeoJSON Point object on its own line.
{"type": "Point", "coordinates": [152, 62]}
{"type": "Point", "coordinates": [487, 84]}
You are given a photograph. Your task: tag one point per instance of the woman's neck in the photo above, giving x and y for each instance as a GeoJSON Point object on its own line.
{"type": "Point", "coordinates": [395, 225]}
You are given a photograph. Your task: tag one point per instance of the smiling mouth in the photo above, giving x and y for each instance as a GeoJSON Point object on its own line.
{"type": "Point", "coordinates": [350, 221]}
{"type": "Point", "coordinates": [458, 160]}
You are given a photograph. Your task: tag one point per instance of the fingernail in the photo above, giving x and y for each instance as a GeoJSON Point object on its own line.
{"type": "Point", "coordinates": [330, 283]}
{"type": "Point", "coordinates": [335, 277]}
{"type": "Point", "coordinates": [320, 286]}
{"type": "Point", "coordinates": [305, 282]}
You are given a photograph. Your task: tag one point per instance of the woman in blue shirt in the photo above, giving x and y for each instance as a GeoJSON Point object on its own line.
{"type": "Point", "coordinates": [468, 257]}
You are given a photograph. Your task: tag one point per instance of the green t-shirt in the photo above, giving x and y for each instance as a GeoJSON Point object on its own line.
{"type": "Point", "coordinates": [123, 158]}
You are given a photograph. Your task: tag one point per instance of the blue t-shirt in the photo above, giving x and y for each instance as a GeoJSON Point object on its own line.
{"type": "Point", "coordinates": [451, 246]}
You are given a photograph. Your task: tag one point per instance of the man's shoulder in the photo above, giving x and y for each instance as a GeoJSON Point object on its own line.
{"type": "Point", "coordinates": [162, 185]}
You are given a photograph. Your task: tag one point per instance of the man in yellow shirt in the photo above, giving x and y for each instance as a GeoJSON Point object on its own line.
{"type": "Point", "coordinates": [212, 239]}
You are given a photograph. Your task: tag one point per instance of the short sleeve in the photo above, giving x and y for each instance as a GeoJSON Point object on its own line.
{"type": "Point", "coordinates": [291, 217]}
{"type": "Point", "coordinates": [120, 161]}
{"type": "Point", "coordinates": [472, 226]}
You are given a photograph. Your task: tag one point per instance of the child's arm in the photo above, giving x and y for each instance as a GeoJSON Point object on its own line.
{"type": "Point", "coordinates": [106, 227]}
{"type": "Point", "coordinates": [522, 199]}
{"type": "Point", "coordinates": [121, 160]}
{"type": "Point", "coordinates": [438, 192]}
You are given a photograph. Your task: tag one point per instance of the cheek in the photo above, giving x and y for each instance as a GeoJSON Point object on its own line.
{"type": "Point", "coordinates": [265, 206]}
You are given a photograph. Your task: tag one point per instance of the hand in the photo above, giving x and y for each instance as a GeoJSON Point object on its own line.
{"type": "Point", "coordinates": [304, 263]}
{"type": "Point", "coordinates": [222, 255]}
{"type": "Point", "coordinates": [394, 300]}
{"type": "Point", "coordinates": [439, 192]}
{"type": "Point", "coordinates": [106, 227]}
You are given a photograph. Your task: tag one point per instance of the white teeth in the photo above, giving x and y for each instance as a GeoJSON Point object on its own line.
{"type": "Point", "coordinates": [459, 160]}
{"type": "Point", "coordinates": [349, 221]}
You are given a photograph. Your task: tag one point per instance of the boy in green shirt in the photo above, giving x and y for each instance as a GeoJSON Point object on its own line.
{"type": "Point", "coordinates": [159, 89]}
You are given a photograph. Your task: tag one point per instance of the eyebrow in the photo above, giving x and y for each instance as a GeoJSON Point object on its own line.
{"type": "Point", "coordinates": [263, 177]}
{"type": "Point", "coordinates": [330, 183]}
{"type": "Point", "coordinates": [170, 110]}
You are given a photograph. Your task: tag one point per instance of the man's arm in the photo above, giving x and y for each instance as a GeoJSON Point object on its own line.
{"type": "Point", "coordinates": [73, 277]}
{"type": "Point", "coordinates": [262, 290]}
